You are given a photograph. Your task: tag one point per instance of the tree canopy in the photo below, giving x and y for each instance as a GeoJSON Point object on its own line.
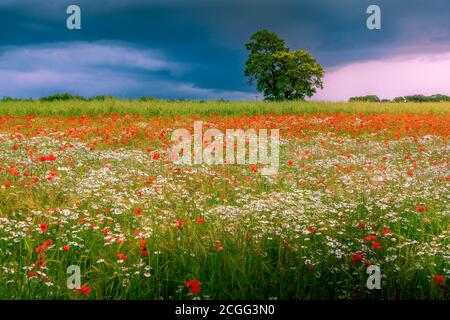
{"type": "Point", "coordinates": [279, 73]}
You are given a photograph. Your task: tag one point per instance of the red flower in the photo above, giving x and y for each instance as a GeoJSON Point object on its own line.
{"type": "Point", "coordinates": [137, 212]}
{"type": "Point", "coordinates": [356, 257]}
{"type": "Point", "coordinates": [290, 162]}
{"type": "Point", "coordinates": [376, 245]}
{"type": "Point", "coordinates": [66, 248]}
{"type": "Point", "coordinates": [43, 227]}
{"type": "Point", "coordinates": [143, 250]}
{"type": "Point", "coordinates": [32, 274]}
{"type": "Point", "coordinates": [85, 290]}
{"type": "Point", "coordinates": [219, 246]}
{"type": "Point", "coordinates": [105, 230]}
{"type": "Point", "coordinates": [156, 156]}
{"type": "Point", "coordinates": [51, 157]}
{"type": "Point", "coordinates": [386, 231]}
{"type": "Point", "coordinates": [311, 229]}
{"type": "Point", "coordinates": [47, 243]}
{"type": "Point", "coordinates": [420, 208]}
{"type": "Point", "coordinates": [370, 238]}
{"type": "Point", "coordinates": [43, 159]}
{"type": "Point", "coordinates": [7, 184]}
{"type": "Point", "coordinates": [361, 225]}
{"type": "Point", "coordinates": [121, 257]}
{"type": "Point", "coordinates": [194, 286]}
{"type": "Point", "coordinates": [438, 278]}
{"type": "Point", "coordinates": [180, 223]}
{"type": "Point", "coordinates": [200, 220]}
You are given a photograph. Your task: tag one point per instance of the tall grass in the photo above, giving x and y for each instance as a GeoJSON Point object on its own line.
{"type": "Point", "coordinates": [168, 108]}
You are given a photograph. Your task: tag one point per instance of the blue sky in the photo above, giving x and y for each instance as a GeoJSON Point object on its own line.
{"type": "Point", "coordinates": [195, 48]}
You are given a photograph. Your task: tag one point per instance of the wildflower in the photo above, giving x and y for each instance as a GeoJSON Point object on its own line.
{"type": "Point", "coordinates": [44, 227]}
{"type": "Point", "coordinates": [356, 257]}
{"type": "Point", "coordinates": [66, 248]}
{"type": "Point", "coordinates": [438, 278]}
{"type": "Point", "coordinates": [387, 231]}
{"type": "Point", "coordinates": [420, 208]}
{"type": "Point", "coordinates": [121, 257]}
{"type": "Point", "coordinates": [85, 290]}
{"type": "Point", "coordinates": [219, 246]}
{"type": "Point", "coordinates": [290, 162]}
{"type": "Point", "coordinates": [7, 184]}
{"type": "Point", "coordinates": [370, 238]}
{"type": "Point", "coordinates": [137, 212]}
{"type": "Point", "coordinates": [180, 223]}
{"type": "Point", "coordinates": [376, 245]}
{"type": "Point", "coordinates": [200, 220]}
{"type": "Point", "coordinates": [311, 229]}
{"type": "Point", "coordinates": [194, 286]}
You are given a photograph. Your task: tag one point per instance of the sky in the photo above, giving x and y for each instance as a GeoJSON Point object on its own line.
{"type": "Point", "coordinates": [195, 48]}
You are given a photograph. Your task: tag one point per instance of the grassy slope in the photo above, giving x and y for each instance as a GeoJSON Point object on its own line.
{"type": "Point", "coordinates": [167, 108]}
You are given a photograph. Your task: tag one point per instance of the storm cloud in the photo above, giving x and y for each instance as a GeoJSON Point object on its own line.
{"type": "Point", "coordinates": [195, 48]}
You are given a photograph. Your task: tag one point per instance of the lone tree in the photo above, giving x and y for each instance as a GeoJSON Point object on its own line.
{"type": "Point", "coordinates": [280, 74]}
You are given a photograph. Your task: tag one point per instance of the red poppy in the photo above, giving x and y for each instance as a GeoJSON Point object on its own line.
{"type": "Point", "coordinates": [51, 157]}
{"type": "Point", "coordinates": [370, 238]}
{"type": "Point", "coordinates": [194, 285]}
{"type": "Point", "coordinates": [376, 245]}
{"type": "Point", "coordinates": [44, 227]}
{"type": "Point", "coordinates": [311, 229]}
{"type": "Point", "coordinates": [438, 278]}
{"type": "Point", "coordinates": [290, 162]}
{"type": "Point", "coordinates": [200, 220]}
{"type": "Point", "coordinates": [420, 208]}
{"type": "Point", "coordinates": [356, 257]}
{"type": "Point", "coordinates": [180, 223]}
{"type": "Point", "coordinates": [137, 212]}
{"type": "Point", "coordinates": [85, 290]}
{"type": "Point", "coordinates": [121, 257]}
{"type": "Point", "coordinates": [219, 246]}
{"type": "Point", "coordinates": [387, 231]}
{"type": "Point", "coordinates": [66, 248]}
{"type": "Point", "coordinates": [7, 184]}
{"type": "Point", "coordinates": [156, 156]}
{"type": "Point", "coordinates": [362, 225]}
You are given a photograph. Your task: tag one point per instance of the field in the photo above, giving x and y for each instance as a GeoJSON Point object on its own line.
{"type": "Point", "coordinates": [93, 185]}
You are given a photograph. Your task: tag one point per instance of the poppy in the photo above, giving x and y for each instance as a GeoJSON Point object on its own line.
{"type": "Point", "coordinates": [200, 220]}
{"type": "Point", "coordinates": [438, 278]}
{"type": "Point", "coordinates": [85, 290]}
{"type": "Point", "coordinates": [194, 286]}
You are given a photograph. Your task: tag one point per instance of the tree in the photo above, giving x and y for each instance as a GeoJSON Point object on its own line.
{"type": "Point", "coordinates": [280, 74]}
{"type": "Point", "coordinates": [371, 98]}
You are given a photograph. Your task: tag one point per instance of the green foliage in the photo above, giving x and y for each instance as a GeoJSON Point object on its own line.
{"type": "Point", "coordinates": [280, 74]}
{"type": "Point", "coordinates": [399, 99]}
{"type": "Point", "coordinates": [62, 97]}
{"type": "Point", "coordinates": [370, 98]}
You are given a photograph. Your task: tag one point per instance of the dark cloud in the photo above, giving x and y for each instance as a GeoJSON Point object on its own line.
{"type": "Point", "coordinates": [207, 36]}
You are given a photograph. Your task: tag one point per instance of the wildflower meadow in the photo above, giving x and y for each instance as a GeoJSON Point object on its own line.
{"type": "Point", "coordinates": [92, 205]}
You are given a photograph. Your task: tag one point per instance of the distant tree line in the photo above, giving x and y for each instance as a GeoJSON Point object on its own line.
{"type": "Point", "coordinates": [69, 97]}
{"type": "Point", "coordinates": [413, 98]}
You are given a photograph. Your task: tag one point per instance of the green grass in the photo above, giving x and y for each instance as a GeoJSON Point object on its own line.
{"type": "Point", "coordinates": [169, 108]}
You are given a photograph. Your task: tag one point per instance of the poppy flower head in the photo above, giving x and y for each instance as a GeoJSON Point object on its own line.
{"type": "Point", "coordinates": [194, 286]}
